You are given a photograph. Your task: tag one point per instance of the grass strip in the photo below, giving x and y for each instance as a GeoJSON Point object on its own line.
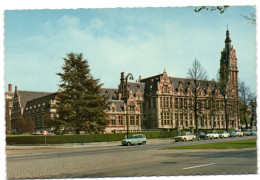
{"type": "Point", "coordinates": [240, 144]}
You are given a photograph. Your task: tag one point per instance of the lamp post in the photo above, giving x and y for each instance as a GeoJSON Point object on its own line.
{"type": "Point", "coordinates": [130, 76]}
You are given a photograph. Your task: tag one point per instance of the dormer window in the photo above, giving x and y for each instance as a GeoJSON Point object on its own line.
{"type": "Point", "coordinates": [132, 108]}
{"type": "Point", "coordinates": [165, 89]}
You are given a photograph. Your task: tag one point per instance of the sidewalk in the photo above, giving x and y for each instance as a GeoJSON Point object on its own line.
{"type": "Point", "coordinates": [81, 145]}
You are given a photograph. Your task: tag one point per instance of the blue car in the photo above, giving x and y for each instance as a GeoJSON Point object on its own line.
{"type": "Point", "coordinates": [232, 134]}
{"type": "Point", "coordinates": [253, 133]}
{"type": "Point", "coordinates": [135, 139]}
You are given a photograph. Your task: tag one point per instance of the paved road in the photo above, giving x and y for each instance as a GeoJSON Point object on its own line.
{"type": "Point", "coordinates": [114, 160]}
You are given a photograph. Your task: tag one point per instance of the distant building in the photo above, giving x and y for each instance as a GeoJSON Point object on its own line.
{"type": "Point", "coordinates": [19, 102]}
{"type": "Point", "coordinates": [8, 108]}
{"type": "Point", "coordinates": [40, 110]}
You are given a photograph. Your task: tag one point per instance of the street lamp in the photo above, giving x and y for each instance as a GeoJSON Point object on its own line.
{"type": "Point", "coordinates": [130, 76]}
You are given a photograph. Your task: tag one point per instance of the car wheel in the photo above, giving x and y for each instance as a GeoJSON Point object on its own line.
{"type": "Point", "coordinates": [143, 143]}
{"type": "Point", "coordinates": [176, 141]}
{"type": "Point", "coordinates": [128, 144]}
{"type": "Point", "coordinates": [184, 139]}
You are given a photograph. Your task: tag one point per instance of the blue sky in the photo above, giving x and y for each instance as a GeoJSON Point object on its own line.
{"type": "Point", "coordinates": [143, 41]}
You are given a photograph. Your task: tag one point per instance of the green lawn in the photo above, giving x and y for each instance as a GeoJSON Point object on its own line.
{"type": "Point", "coordinates": [250, 143]}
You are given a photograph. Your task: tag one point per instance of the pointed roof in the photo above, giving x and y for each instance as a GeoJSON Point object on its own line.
{"type": "Point", "coordinates": [42, 103]}
{"type": "Point", "coordinates": [227, 37]}
{"type": "Point", "coordinates": [26, 96]}
{"type": "Point", "coordinates": [110, 93]}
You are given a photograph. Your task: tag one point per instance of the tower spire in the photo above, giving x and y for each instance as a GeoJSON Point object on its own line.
{"type": "Point", "coordinates": [227, 43]}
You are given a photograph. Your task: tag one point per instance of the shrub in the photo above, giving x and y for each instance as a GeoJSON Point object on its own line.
{"type": "Point", "coordinates": [86, 138]}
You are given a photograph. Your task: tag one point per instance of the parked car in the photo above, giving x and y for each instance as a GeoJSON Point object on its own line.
{"type": "Point", "coordinates": [201, 135]}
{"type": "Point", "coordinates": [232, 133]}
{"type": "Point", "coordinates": [224, 134]}
{"type": "Point", "coordinates": [253, 133]}
{"type": "Point", "coordinates": [212, 135]}
{"type": "Point", "coordinates": [135, 139]}
{"type": "Point", "coordinates": [239, 133]}
{"type": "Point", "coordinates": [246, 132]}
{"type": "Point", "coordinates": [185, 136]}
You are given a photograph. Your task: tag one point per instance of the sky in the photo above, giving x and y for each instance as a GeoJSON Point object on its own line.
{"type": "Point", "coordinates": [141, 41]}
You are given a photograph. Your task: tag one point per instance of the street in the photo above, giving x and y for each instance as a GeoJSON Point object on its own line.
{"type": "Point", "coordinates": [115, 160]}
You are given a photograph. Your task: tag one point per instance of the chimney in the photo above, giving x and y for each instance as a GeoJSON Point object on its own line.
{"type": "Point", "coordinates": [9, 87]}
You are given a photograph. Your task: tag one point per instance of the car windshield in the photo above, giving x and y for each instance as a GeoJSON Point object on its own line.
{"type": "Point", "coordinates": [183, 134]}
{"type": "Point", "coordinates": [131, 137]}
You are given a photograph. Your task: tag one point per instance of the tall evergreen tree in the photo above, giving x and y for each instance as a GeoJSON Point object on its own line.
{"type": "Point", "coordinates": [79, 103]}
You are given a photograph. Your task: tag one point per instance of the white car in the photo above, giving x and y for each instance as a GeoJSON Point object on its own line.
{"type": "Point", "coordinates": [240, 133]}
{"type": "Point", "coordinates": [224, 134]}
{"type": "Point", "coordinates": [185, 136]}
{"type": "Point", "coordinates": [212, 135]}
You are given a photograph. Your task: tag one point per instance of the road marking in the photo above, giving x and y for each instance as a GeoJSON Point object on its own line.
{"type": "Point", "coordinates": [199, 166]}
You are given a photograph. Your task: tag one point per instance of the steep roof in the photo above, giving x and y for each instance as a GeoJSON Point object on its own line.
{"type": "Point", "coordinates": [134, 86]}
{"type": "Point", "coordinates": [151, 83]}
{"type": "Point", "coordinates": [42, 103]}
{"type": "Point", "coordinates": [119, 104]}
{"type": "Point", "coordinates": [30, 95]}
{"type": "Point", "coordinates": [111, 93]}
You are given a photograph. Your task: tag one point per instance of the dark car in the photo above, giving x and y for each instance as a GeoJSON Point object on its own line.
{"type": "Point", "coordinates": [201, 135]}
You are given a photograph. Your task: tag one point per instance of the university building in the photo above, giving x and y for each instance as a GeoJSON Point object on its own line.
{"type": "Point", "coordinates": [155, 103]}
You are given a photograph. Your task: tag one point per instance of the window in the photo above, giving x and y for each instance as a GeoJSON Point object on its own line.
{"type": "Point", "coordinates": [176, 123]}
{"type": "Point", "coordinates": [113, 109]}
{"type": "Point", "coordinates": [181, 116]}
{"type": "Point", "coordinates": [165, 89]}
{"type": "Point", "coordinates": [132, 120]}
{"type": "Point", "coordinates": [185, 116]}
{"type": "Point", "coordinates": [164, 102]}
{"type": "Point", "coordinates": [190, 103]}
{"type": "Point", "coordinates": [132, 108]}
{"type": "Point", "coordinates": [176, 103]}
{"type": "Point", "coordinates": [185, 103]}
{"type": "Point", "coordinates": [161, 102]}
{"type": "Point", "coordinates": [113, 120]}
{"type": "Point", "coordinates": [190, 116]}
{"type": "Point", "coordinates": [181, 103]}
{"type": "Point", "coordinates": [120, 120]}
{"type": "Point", "coordinates": [176, 116]}
{"type": "Point", "coordinates": [137, 120]}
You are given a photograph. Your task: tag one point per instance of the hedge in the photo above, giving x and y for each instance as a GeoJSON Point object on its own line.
{"type": "Point", "coordinates": [61, 139]}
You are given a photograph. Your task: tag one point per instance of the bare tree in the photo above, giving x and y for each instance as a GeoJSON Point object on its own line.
{"type": "Point", "coordinates": [211, 106]}
{"type": "Point", "coordinates": [221, 9]}
{"type": "Point", "coordinates": [251, 18]}
{"type": "Point", "coordinates": [245, 98]}
{"type": "Point", "coordinates": [198, 76]}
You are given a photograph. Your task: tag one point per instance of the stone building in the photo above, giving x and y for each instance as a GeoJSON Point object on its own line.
{"type": "Point", "coordinates": [19, 102]}
{"type": "Point", "coordinates": [168, 100]}
{"type": "Point", "coordinates": [153, 103]}
{"type": "Point", "coordinates": [8, 108]}
{"type": "Point", "coordinates": [40, 110]}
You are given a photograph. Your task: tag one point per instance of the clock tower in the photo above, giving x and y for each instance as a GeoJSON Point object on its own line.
{"type": "Point", "coordinates": [228, 64]}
